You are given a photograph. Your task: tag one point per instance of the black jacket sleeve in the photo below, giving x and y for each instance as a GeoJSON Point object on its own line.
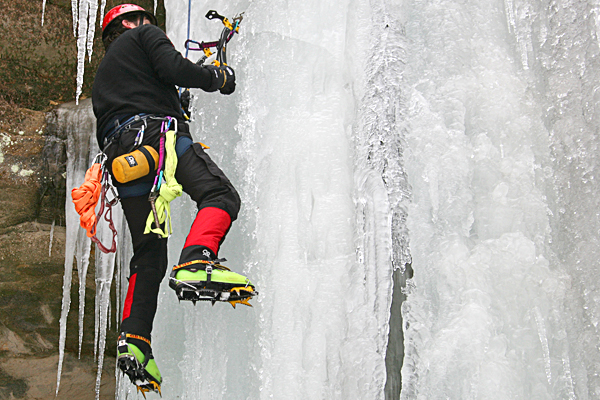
{"type": "Point", "coordinates": [170, 65]}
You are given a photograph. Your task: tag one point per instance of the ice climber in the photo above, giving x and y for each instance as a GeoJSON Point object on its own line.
{"type": "Point", "coordinates": [140, 126]}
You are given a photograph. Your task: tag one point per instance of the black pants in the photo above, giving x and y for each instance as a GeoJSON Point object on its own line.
{"type": "Point", "coordinates": [218, 206]}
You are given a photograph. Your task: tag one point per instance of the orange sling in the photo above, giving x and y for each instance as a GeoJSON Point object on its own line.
{"type": "Point", "coordinates": [85, 198]}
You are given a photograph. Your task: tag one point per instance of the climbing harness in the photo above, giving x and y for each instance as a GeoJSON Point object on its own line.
{"type": "Point", "coordinates": [165, 187]}
{"type": "Point", "coordinates": [97, 183]}
{"type": "Point", "coordinates": [220, 46]}
{"type": "Point", "coordinates": [115, 133]}
{"type": "Point", "coordinates": [85, 198]}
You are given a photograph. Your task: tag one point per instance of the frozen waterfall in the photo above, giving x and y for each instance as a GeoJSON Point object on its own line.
{"type": "Point", "coordinates": [456, 136]}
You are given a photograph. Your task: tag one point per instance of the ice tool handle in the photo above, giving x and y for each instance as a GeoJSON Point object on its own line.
{"type": "Point", "coordinates": [220, 45]}
{"type": "Point", "coordinates": [231, 28]}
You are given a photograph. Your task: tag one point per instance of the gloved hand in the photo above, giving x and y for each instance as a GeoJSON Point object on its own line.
{"type": "Point", "coordinates": [217, 78]}
{"type": "Point", "coordinates": [223, 79]}
{"type": "Point", "coordinates": [184, 99]}
{"type": "Point", "coordinates": [229, 81]}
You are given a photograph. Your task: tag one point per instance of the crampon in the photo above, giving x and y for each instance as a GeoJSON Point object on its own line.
{"type": "Point", "coordinates": [139, 367]}
{"type": "Point", "coordinates": [202, 280]}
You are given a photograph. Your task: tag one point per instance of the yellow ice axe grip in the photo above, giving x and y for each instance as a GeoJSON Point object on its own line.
{"type": "Point", "coordinates": [224, 80]}
{"type": "Point", "coordinates": [228, 24]}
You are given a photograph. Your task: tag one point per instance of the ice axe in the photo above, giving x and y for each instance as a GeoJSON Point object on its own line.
{"type": "Point", "coordinates": [221, 48]}
{"type": "Point", "coordinates": [231, 28]}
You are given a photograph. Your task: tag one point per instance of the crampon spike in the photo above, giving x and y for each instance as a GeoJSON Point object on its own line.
{"type": "Point", "coordinates": [144, 390]}
{"type": "Point", "coordinates": [241, 301]}
{"type": "Point", "coordinates": [244, 288]}
{"type": "Point", "coordinates": [246, 302]}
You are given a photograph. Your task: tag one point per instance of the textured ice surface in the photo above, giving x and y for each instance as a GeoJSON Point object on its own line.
{"type": "Point", "coordinates": [286, 138]}
{"type": "Point", "coordinates": [486, 113]}
{"type": "Point", "coordinates": [502, 141]}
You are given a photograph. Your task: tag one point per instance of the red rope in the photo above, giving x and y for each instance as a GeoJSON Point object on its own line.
{"type": "Point", "coordinates": [107, 218]}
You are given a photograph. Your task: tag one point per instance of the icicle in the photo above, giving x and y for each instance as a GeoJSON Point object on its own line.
{"type": "Point", "coordinates": [73, 120]}
{"type": "Point", "coordinates": [51, 238]}
{"type": "Point", "coordinates": [91, 29]}
{"type": "Point", "coordinates": [75, 13]}
{"type": "Point", "coordinates": [96, 313]}
{"type": "Point", "coordinates": [88, 151]}
{"type": "Point", "coordinates": [104, 298]}
{"type": "Point", "coordinates": [66, 303]}
{"type": "Point", "coordinates": [118, 274]}
{"type": "Point", "coordinates": [44, 10]}
{"type": "Point", "coordinates": [81, 41]}
{"type": "Point", "coordinates": [83, 261]}
{"type": "Point", "coordinates": [541, 327]}
{"type": "Point", "coordinates": [102, 6]}
{"type": "Point", "coordinates": [118, 282]}
{"type": "Point", "coordinates": [108, 318]}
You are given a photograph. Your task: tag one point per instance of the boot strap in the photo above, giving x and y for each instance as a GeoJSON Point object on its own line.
{"type": "Point", "coordinates": [190, 265]}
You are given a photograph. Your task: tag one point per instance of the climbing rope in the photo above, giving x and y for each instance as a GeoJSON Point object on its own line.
{"type": "Point", "coordinates": [107, 216]}
{"type": "Point", "coordinates": [188, 26]}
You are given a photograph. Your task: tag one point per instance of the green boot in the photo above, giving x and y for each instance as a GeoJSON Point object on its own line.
{"type": "Point", "coordinates": [140, 367]}
{"type": "Point", "coordinates": [205, 280]}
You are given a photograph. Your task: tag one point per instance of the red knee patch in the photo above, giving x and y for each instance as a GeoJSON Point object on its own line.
{"type": "Point", "coordinates": [129, 298]}
{"type": "Point", "coordinates": [209, 228]}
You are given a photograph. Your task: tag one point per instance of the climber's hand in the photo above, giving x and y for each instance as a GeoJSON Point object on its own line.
{"type": "Point", "coordinates": [229, 80]}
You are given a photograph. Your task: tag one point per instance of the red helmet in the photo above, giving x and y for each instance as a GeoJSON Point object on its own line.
{"type": "Point", "coordinates": [125, 9]}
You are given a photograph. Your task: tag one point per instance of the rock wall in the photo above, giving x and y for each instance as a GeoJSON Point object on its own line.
{"type": "Point", "coordinates": [32, 257]}
{"type": "Point", "coordinates": [37, 74]}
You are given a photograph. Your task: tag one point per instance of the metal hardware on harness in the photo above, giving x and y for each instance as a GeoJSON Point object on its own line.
{"type": "Point", "coordinates": [152, 199]}
{"type": "Point", "coordinates": [116, 132]}
{"type": "Point", "coordinates": [158, 180]}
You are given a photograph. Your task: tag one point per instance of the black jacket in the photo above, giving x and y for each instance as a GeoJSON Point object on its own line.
{"type": "Point", "coordinates": [138, 75]}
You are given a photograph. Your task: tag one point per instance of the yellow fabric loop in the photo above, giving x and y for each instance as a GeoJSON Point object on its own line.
{"type": "Point", "coordinates": [169, 190]}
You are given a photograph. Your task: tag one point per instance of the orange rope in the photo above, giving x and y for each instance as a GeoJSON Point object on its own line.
{"type": "Point", "coordinates": [86, 197]}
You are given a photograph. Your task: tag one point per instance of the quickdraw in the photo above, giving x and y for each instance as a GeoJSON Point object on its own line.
{"type": "Point", "coordinates": [85, 198]}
